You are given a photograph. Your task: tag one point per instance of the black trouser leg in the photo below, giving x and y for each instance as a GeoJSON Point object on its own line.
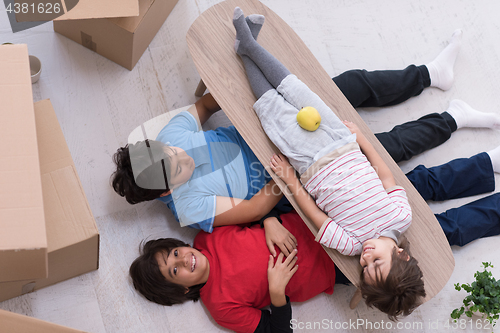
{"type": "Point", "coordinates": [382, 88]}
{"type": "Point", "coordinates": [414, 137]}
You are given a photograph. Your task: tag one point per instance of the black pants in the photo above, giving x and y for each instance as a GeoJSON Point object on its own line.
{"type": "Point", "coordinates": [385, 88]}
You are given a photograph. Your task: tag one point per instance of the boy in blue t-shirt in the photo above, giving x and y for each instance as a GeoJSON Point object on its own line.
{"type": "Point", "coordinates": [207, 178]}
{"type": "Point", "coordinates": [212, 170]}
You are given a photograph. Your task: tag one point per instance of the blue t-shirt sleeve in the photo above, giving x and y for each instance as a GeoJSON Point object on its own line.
{"type": "Point", "coordinates": [205, 225]}
{"type": "Point", "coordinates": [170, 204]}
{"type": "Point", "coordinates": [177, 128]}
{"type": "Point", "coordinates": [196, 211]}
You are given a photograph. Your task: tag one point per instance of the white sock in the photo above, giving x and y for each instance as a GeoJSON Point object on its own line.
{"type": "Point", "coordinates": [495, 158]}
{"type": "Point", "coordinates": [466, 116]}
{"type": "Point", "coordinates": [441, 68]}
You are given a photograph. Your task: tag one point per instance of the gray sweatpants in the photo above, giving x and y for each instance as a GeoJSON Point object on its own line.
{"type": "Point", "coordinates": [277, 111]}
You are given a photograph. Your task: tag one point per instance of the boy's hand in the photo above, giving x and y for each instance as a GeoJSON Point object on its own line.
{"type": "Point", "coordinates": [278, 276]}
{"type": "Point", "coordinates": [282, 168]}
{"type": "Point", "coordinates": [277, 234]}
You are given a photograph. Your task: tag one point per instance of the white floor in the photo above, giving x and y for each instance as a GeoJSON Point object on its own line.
{"type": "Point", "coordinates": [98, 103]}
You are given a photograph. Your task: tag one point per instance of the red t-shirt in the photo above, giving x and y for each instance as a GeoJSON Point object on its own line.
{"type": "Point", "coordinates": [237, 286]}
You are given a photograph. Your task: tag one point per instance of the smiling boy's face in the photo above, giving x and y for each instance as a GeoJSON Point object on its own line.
{"type": "Point", "coordinates": [184, 266]}
{"type": "Point", "coordinates": [181, 166]}
{"type": "Point", "coordinates": [377, 255]}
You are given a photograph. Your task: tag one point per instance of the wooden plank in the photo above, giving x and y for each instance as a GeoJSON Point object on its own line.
{"type": "Point", "coordinates": [210, 40]}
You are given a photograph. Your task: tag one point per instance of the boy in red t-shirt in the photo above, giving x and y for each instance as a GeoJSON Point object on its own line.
{"type": "Point", "coordinates": [233, 273]}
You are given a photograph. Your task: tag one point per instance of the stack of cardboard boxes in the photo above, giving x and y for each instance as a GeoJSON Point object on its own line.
{"type": "Point", "coordinates": [47, 231]}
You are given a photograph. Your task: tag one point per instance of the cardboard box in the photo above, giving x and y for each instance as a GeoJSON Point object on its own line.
{"type": "Point", "coordinates": [16, 323]}
{"type": "Point", "coordinates": [122, 40]}
{"type": "Point", "coordinates": [23, 241]}
{"type": "Point", "coordinates": [73, 238]}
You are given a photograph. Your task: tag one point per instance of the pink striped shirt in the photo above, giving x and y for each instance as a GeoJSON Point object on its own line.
{"type": "Point", "coordinates": [350, 192]}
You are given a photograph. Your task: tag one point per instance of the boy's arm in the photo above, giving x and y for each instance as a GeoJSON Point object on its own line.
{"type": "Point", "coordinates": [204, 108]}
{"type": "Point", "coordinates": [278, 320]}
{"type": "Point", "coordinates": [230, 211]}
{"type": "Point", "coordinates": [383, 171]}
{"type": "Point", "coordinates": [330, 233]}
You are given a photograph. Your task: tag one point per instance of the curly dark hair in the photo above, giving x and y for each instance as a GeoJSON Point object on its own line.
{"type": "Point", "coordinates": [150, 282]}
{"type": "Point", "coordinates": [402, 290]}
{"type": "Point", "coordinates": [141, 171]}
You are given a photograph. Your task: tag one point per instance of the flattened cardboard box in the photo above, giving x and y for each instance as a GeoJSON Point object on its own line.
{"type": "Point", "coordinates": [122, 40]}
{"type": "Point", "coordinates": [23, 240]}
{"type": "Point", "coordinates": [16, 323]}
{"type": "Point", "coordinates": [73, 238]}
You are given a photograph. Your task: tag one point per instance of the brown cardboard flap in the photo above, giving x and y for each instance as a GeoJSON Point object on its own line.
{"type": "Point", "coordinates": [65, 202]}
{"type": "Point", "coordinates": [23, 241]}
{"type": "Point", "coordinates": [63, 195]}
{"type": "Point", "coordinates": [16, 323]}
{"type": "Point", "coordinates": [87, 9]}
{"type": "Point", "coordinates": [54, 152]}
{"type": "Point", "coordinates": [131, 23]}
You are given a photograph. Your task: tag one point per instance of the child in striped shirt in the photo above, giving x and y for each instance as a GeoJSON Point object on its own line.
{"type": "Point", "coordinates": [366, 211]}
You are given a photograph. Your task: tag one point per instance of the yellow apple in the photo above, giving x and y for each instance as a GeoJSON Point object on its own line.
{"type": "Point", "coordinates": [309, 118]}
